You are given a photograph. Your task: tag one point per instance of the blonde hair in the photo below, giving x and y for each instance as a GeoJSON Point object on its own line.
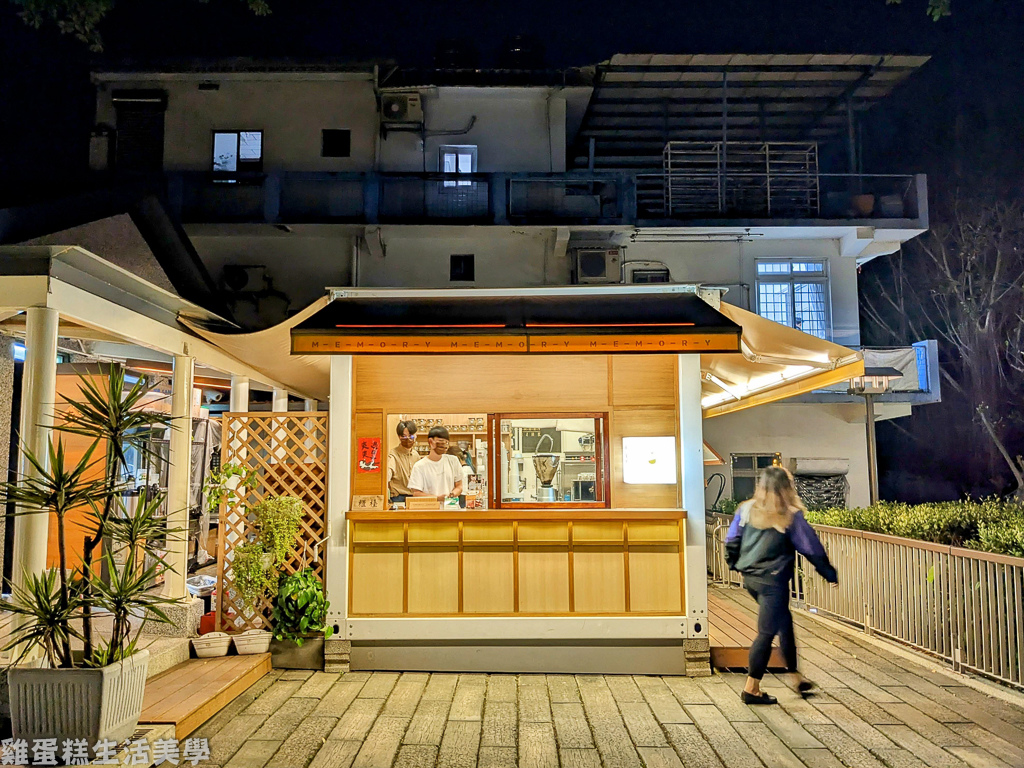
{"type": "Point", "coordinates": [775, 502]}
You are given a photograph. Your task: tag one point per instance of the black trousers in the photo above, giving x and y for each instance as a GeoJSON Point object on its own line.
{"type": "Point", "coordinates": [773, 618]}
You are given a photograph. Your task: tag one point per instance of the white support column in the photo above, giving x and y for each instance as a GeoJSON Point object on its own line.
{"type": "Point", "coordinates": [239, 401]}
{"type": "Point", "coordinates": [179, 476]}
{"type": "Point", "coordinates": [339, 490]}
{"type": "Point", "coordinates": [310, 405]}
{"type": "Point", "coordinates": [691, 464]}
{"type": "Point", "coordinates": [279, 403]}
{"type": "Point", "coordinates": [38, 401]}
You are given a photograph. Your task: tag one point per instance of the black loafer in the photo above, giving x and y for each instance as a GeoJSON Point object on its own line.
{"type": "Point", "coordinates": [764, 698]}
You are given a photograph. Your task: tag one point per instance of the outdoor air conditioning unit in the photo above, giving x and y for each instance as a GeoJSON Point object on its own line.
{"type": "Point", "coordinates": [598, 265]}
{"type": "Point", "coordinates": [643, 272]}
{"type": "Point", "coordinates": [404, 107]}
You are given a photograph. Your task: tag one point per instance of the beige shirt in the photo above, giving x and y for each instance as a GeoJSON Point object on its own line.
{"type": "Point", "coordinates": [400, 461]}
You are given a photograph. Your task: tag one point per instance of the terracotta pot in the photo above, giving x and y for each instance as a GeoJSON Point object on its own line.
{"type": "Point", "coordinates": [863, 204]}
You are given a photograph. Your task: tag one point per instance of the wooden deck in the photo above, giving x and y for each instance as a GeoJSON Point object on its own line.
{"type": "Point", "coordinates": [188, 695]}
{"type": "Point", "coordinates": [732, 627]}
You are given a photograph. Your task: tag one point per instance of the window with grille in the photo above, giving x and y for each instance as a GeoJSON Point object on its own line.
{"type": "Point", "coordinates": [745, 469]}
{"type": "Point", "coordinates": [794, 292]}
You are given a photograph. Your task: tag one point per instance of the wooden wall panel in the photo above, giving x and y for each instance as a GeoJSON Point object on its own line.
{"type": "Point", "coordinates": [646, 422]}
{"type": "Point", "coordinates": [433, 579]}
{"type": "Point", "coordinates": [368, 424]}
{"type": "Point", "coordinates": [543, 579]}
{"type": "Point", "coordinates": [599, 583]}
{"type": "Point", "coordinates": [488, 580]}
{"type": "Point", "coordinates": [643, 380]}
{"type": "Point", "coordinates": [488, 383]}
{"type": "Point", "coordinates": [377, 579]}
{"type": "Point", "coordinates": [654, 579]}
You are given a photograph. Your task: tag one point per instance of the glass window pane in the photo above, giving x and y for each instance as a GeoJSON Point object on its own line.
{"type": "Point", "coordinates": [809, 302]}
{"type": "Point", "coordinates": [742, 462]}
{"type": "Point", "coordinates": [465, 162]}
{"type": "Point", "coordinates": [449, 162]}
{"type": "Point", "coordinates": [742, 488]}
{"type": "Point", "coordinates": [225, 152]}
{"type": "Point", "coordinates": [250, 145]}
{"type": "Point", "coordinates": [773, 267]}
{"type": "Point", "coordinates": [809, 266]}
{"type": "Point", "coordinates": [764, 462]}
{"type": "Point", "coordinates": [773, 302]}
{"type": "Point", "coordinates": [550, 460]}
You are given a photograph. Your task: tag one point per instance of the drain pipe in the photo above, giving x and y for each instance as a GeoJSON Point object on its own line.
{"type": "Point", "coordinates": [354, 268]}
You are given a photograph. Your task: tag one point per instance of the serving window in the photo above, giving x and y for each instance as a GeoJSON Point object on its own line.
{"type": "Point", "coordinates": [549, 460]}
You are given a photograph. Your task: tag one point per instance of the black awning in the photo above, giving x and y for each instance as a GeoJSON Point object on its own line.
{"type": "Point", "coordinates": [643, 317]}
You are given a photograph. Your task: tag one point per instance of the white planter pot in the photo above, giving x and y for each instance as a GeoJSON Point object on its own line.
{"type": "Point", "coordinates": [253, 641]}
{"type": "Point", "coordinates": [90, 704]}
{"type": "Point", "coordinates": [212, 644]}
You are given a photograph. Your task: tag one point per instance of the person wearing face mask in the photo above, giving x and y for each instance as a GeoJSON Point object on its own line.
{"type": "Point", "coordinates": [439, 474]}
{"type": "Point", "coordinates": [401, 459]}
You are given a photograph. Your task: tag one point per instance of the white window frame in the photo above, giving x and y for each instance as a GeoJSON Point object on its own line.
{"type": "Point", "coordinates": [754, 470]}
{"type": "Point", "coordinates": [792, 279]}
{"type": "Point", "coordinates": [457, 149]}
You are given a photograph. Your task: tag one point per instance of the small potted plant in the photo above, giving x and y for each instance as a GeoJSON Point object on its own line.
{"type": "Point", "coordinates": [256, 564]}
{"type": "Point", "coordinates": [95, 693]}
{"type": "Point", "coordinates": [300, 622]}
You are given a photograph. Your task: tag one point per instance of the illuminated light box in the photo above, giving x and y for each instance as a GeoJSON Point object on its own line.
{"type": "Point", "coordinates": [649, 460]}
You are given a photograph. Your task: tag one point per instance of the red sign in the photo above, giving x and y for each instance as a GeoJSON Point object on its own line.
{"type": "Point", "coordinates": [368, 454]}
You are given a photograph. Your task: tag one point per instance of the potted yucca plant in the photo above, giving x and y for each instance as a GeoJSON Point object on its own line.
{"type": "Point", "coordinates": [56, 690]}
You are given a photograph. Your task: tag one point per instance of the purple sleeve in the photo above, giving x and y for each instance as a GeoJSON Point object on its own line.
{"type": "Point", "coordinates": [735, 529]}
{"type": "Point", "coordinates": [804, 539]}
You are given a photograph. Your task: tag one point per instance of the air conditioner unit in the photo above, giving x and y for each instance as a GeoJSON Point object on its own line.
{"type": "Point", "coordinates": [641, 272]}
{"type": "Point", "coordinates": [598, 265]}
{"type": "Point", "coordinates": [404, 107]}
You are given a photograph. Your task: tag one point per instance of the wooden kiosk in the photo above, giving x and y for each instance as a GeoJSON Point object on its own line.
{"type": "Point", "coordinates": [612, 583]}
{"type": "Point", "coordinates": [597, 567]}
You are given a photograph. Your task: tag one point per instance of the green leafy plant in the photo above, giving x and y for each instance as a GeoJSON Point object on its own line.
{"type": "Point", "coordinates": [301, 608]}
{"type": "Point", "coordinates": [277, 520]}
{"type": "Point", "coordinates": [216, 487]}
{"type": "Point", "coordinates": [54, 603]}
{"type": "Point", "coordinates": [253, 573]}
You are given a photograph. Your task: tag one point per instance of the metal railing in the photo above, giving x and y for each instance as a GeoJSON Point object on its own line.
{"type": "Point", "coordinates": [580, 196]}
{"type": "Point", "coordinates": [960, 605]}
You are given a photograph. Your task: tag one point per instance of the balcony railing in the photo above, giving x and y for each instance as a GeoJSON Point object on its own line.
{"type": "Point", "coordinates": [610, 198]}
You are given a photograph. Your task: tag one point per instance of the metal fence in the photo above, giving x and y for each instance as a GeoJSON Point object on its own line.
{"type": "Point", "coordinates": [961, 605]}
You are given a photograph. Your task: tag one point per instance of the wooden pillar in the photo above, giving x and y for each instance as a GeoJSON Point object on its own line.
{"type": "Point", "coordinates": [691, 465]}
{"type": "Point", "coordinates": [179, 476]}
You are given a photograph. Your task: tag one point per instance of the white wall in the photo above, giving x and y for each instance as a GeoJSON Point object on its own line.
{"type": "Point", "coordinates": [420, 257]}
{"type": "Point", "coordinates": [794, 430]}
{"type": "Point", "coordinates": [291, 113]}
{"type": "Point", "coordinates": [734, 264]}
{"type": "Point", "coordinates": [515, 130]}
{"type": "Point", "coordinates": [301, 266]}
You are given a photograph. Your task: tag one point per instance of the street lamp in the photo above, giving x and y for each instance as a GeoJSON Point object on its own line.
{"type": "Point", "coordinates": [875, 381]}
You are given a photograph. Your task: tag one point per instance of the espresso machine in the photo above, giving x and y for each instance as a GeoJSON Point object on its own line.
{"type": "Point", "coordinates": [546, 467]}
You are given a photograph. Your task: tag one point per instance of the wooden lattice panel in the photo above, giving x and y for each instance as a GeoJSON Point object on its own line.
{"type": "Point", "coordinates": [288, 452]}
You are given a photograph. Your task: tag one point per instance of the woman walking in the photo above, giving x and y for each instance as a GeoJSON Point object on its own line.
{"type": "Point", "coordinates": [764, 536]}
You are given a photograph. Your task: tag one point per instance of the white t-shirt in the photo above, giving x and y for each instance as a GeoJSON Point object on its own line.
{"type": "Point", "coordinates": [435, 477]}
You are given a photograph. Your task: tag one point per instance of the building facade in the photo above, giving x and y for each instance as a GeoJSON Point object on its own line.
{"type": "Point", "coordinates": [738, 173]}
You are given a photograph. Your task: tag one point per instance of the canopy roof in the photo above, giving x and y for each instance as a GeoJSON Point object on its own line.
{"type": "Point", "coordinates": [776, 362]}
{"type": "Point", "coordinates": [773, 362]}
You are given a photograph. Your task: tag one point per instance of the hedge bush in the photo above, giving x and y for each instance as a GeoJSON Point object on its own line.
{"type": "Point", "coordinates": [990, 525]}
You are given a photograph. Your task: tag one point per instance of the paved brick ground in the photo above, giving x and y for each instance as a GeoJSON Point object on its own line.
{"type": "Point", "coordinates": [874, 711]}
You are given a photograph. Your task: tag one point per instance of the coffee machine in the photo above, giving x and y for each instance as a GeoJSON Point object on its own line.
{"type": "Point", "coordinates": [546, 467]}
